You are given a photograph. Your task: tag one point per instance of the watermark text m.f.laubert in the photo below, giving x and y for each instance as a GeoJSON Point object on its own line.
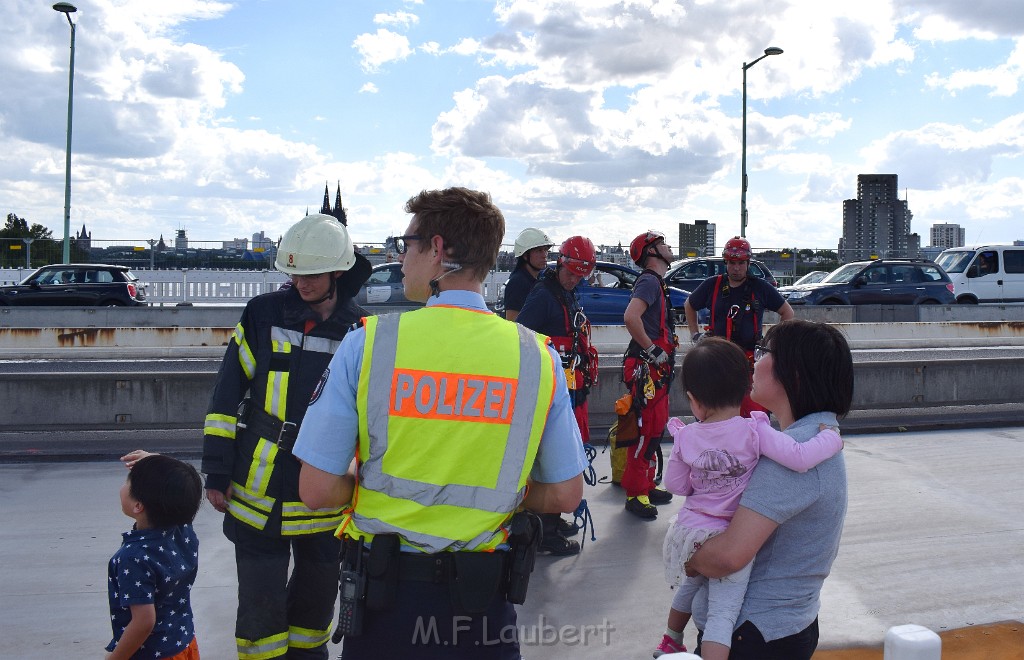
{"type": "Point", "coordinates": [542, 633]}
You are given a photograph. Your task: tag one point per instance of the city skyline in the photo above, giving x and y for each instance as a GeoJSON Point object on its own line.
{"type": "Point", "coordinates": [602, 120]}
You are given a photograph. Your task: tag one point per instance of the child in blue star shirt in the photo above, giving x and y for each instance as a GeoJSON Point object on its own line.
{"type": "Point", "coordinates": [150, 577]}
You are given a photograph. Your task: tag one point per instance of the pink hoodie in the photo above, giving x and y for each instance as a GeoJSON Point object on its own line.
{"type": "Point", "coordinates": [711, 463]}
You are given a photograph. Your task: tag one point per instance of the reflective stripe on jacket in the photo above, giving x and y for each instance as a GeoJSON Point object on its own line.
{"type": "Point", "coordinates": [452, 405]}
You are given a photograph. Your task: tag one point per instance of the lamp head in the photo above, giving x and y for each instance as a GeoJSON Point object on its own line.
{"type": "Point", "coordinates": [772, 50]}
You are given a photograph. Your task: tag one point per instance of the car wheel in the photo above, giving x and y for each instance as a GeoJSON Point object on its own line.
{"type": "Point", "coordinates": [832, 301]}
{"type": "Point", "coordinates": [967, 300]}
{"type": "Point", "coordinates": [929, 302]}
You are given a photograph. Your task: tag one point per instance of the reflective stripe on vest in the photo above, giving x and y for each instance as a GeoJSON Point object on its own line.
{"type": "Point", "coordinates": [479, 404]}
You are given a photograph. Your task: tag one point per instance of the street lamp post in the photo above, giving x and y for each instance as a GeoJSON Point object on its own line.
{"type": "Point", "coordinates": [771, 50]}
{"type": "Point", "coordinates": [67, 9]}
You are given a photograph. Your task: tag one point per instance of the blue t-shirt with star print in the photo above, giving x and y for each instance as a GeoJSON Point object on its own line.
{"type": "Point", "coordinates": [155, 566]}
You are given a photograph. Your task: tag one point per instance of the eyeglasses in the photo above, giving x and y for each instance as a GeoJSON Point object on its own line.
{"type": "Point", "coordinates": [760, 352]}
{"type": "Point", "coordinates": [402, 242]}
{"type": "Point", "coordinates": [737, 261]}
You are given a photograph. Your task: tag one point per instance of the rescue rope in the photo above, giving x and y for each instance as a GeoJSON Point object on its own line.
{"type": "Point", "coordinates": [589, 473]}
{"type": "Point", "coordinates": [582, 518]}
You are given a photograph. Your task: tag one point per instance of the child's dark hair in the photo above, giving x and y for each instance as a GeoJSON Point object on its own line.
{"type": "Point", "coordinates": [171, 490]}
{"type": "Point", "coordinates": [716, 372]}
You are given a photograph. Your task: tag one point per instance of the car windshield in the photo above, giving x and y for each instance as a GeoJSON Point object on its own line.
{"type": "Point", "coordinates": [843, 274]}
{"type": "Point", "coordinates": [812, 277]}
{"type": "Point", "coordinates": [955, 261]}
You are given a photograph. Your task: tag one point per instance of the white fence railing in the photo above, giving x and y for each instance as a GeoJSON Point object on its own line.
{"type": "Point", "coordinates": [226, 287]}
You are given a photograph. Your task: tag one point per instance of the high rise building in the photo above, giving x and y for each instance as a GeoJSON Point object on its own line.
{"type": "Point", "coordinates": [945, 235]}
{"type": "Point", "coordinates": [877, 223]}
{"type": "Point", "coordinates": [696, 240]}
{"type": "Point", "coordinates": [181, 240]}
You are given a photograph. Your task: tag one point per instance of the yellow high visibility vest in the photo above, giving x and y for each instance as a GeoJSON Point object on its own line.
{"type": "Point", "coordinates": [452, 404]}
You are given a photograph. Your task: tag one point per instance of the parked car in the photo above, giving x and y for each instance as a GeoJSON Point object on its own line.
{"type": "Point", "coordinates": [879, 281]}
{"type": "Point", "coordinates": [77, 284]}
{"type": "Point", "coordinates": [687, 274]}
{"type": "Point", "coordinates": [605, 294]}
{"type": "Point", "coordinates": [989, 273]}
{"type": "Point", "coordinates": [384, 290]}
{"type": "Point", "coordinates": [812, 277]}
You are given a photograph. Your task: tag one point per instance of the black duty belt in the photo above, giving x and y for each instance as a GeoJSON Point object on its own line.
{"type": "Point", "coordinates": [438, 568]}
{"type": "Point", "coordinates": [267, 426]}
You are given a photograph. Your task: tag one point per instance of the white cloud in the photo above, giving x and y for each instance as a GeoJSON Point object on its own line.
{"type": "Point", "coordinates": [1003, 80]}
{"type": "Point", "coordinates": [399, 18]}
{"type": "Point", "coordinates": [380, 48]}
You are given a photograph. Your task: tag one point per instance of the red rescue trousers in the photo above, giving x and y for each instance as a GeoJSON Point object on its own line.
{"type": "Point", "coordinates": [641, 464]}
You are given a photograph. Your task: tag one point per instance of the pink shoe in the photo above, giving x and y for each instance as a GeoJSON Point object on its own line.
{"type": "Point", "coordinates": [668, 645]}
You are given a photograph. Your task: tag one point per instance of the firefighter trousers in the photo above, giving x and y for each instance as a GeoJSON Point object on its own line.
{"type": "Point", "coordinates": [641, 462]}
{"type": "Point", "coordinates": [282, 615]}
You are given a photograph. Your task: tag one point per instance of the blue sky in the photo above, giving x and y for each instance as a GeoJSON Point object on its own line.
{"type": "Point", "coordinates": [598, 118]}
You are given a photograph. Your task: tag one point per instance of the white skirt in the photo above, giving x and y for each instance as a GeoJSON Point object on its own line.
{"type": "Point", "coordinates": [680, 544]}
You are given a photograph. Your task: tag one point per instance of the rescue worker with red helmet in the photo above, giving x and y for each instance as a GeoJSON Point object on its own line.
{"type": "Point", "coordinates": [531, 252]}
{"type": "Point", "coordinates": [647, 370]}
{"type": "Point", "coordinates": [737, 303]}
{"type": "Point", "coordinates": [553, 309]}
{"type": "Point", "coordinates": [281, 346]}
{"type": "Point", "coordinates": [450, 413]}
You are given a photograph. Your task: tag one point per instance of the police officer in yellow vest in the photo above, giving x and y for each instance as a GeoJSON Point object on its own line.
{"type": "Point", "coordinates": [455, 418]}
{"type": "Point", "coordinates": [275, 359]}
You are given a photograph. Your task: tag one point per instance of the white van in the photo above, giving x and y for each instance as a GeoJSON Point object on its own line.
{"type": "Point", "coordinates": [990, 273]}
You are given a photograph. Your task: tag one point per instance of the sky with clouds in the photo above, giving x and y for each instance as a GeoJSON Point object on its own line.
{"type": "Point", "coordinates": [603, 118]}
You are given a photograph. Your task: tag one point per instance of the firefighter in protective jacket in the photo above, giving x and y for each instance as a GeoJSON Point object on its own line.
{"type": "Point", "coordinates": [273, 364]}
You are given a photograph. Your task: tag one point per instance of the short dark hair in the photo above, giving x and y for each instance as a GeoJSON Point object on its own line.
{"type": "Point", "coordinates": [470, 224]}
{"type": "Point", "coordinates": [171, 490]}
{"type": "Point", "coordinates": [716, 372]}
{"type": "Point", "coordinates": [813, 363]}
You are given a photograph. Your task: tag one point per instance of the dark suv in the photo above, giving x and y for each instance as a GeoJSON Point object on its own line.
{"type": "Point", "coordinates": [77, 284]}
{"type": "Point", "coordinates": [687, 274]}
{"type": "Point", "coordinates": [879, 282]}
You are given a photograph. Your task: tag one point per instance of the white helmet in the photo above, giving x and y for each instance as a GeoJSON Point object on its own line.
{"type": "Point", "coordinates": [316, 244]}
{"type": "Point", "coordinates": [531, 238]}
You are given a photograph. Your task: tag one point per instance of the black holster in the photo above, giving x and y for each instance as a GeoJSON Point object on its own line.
{"type": "Point", "coordinates": [524, 537]}
{"type": "Point", "coordinates": [382, 572]}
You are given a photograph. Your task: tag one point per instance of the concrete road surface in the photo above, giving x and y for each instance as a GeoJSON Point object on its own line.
{"type": "Point", "coordinates": [934, 536]}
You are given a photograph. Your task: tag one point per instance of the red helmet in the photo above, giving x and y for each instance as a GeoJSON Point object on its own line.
{"type": "Point", "coordinates": [578, 255]}
{"type": "Point", "coordinates": [736, 249]}
{"type": "Point", "coordinates": [638, 248]}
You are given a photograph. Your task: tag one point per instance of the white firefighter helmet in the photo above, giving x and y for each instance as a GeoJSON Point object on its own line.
{"type": "Point", "coordinates": [531, 238]}
{"type": "Point", "coordinates": [316, 244]}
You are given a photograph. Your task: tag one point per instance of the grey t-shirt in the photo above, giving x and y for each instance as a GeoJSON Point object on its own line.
{"type": "Point", "coordinates": [785, 584]}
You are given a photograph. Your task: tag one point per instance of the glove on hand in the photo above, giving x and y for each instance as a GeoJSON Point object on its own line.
{"type": "Point", "coordinates": [697, 336]}
{"type": "Point", "coordinates": [655, 355]}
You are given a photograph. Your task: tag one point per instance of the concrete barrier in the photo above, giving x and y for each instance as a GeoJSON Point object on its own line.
{"type": "Point", "coordinates": [62, 401]}
{"type": "Point", "coordinates": [178, 400]}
